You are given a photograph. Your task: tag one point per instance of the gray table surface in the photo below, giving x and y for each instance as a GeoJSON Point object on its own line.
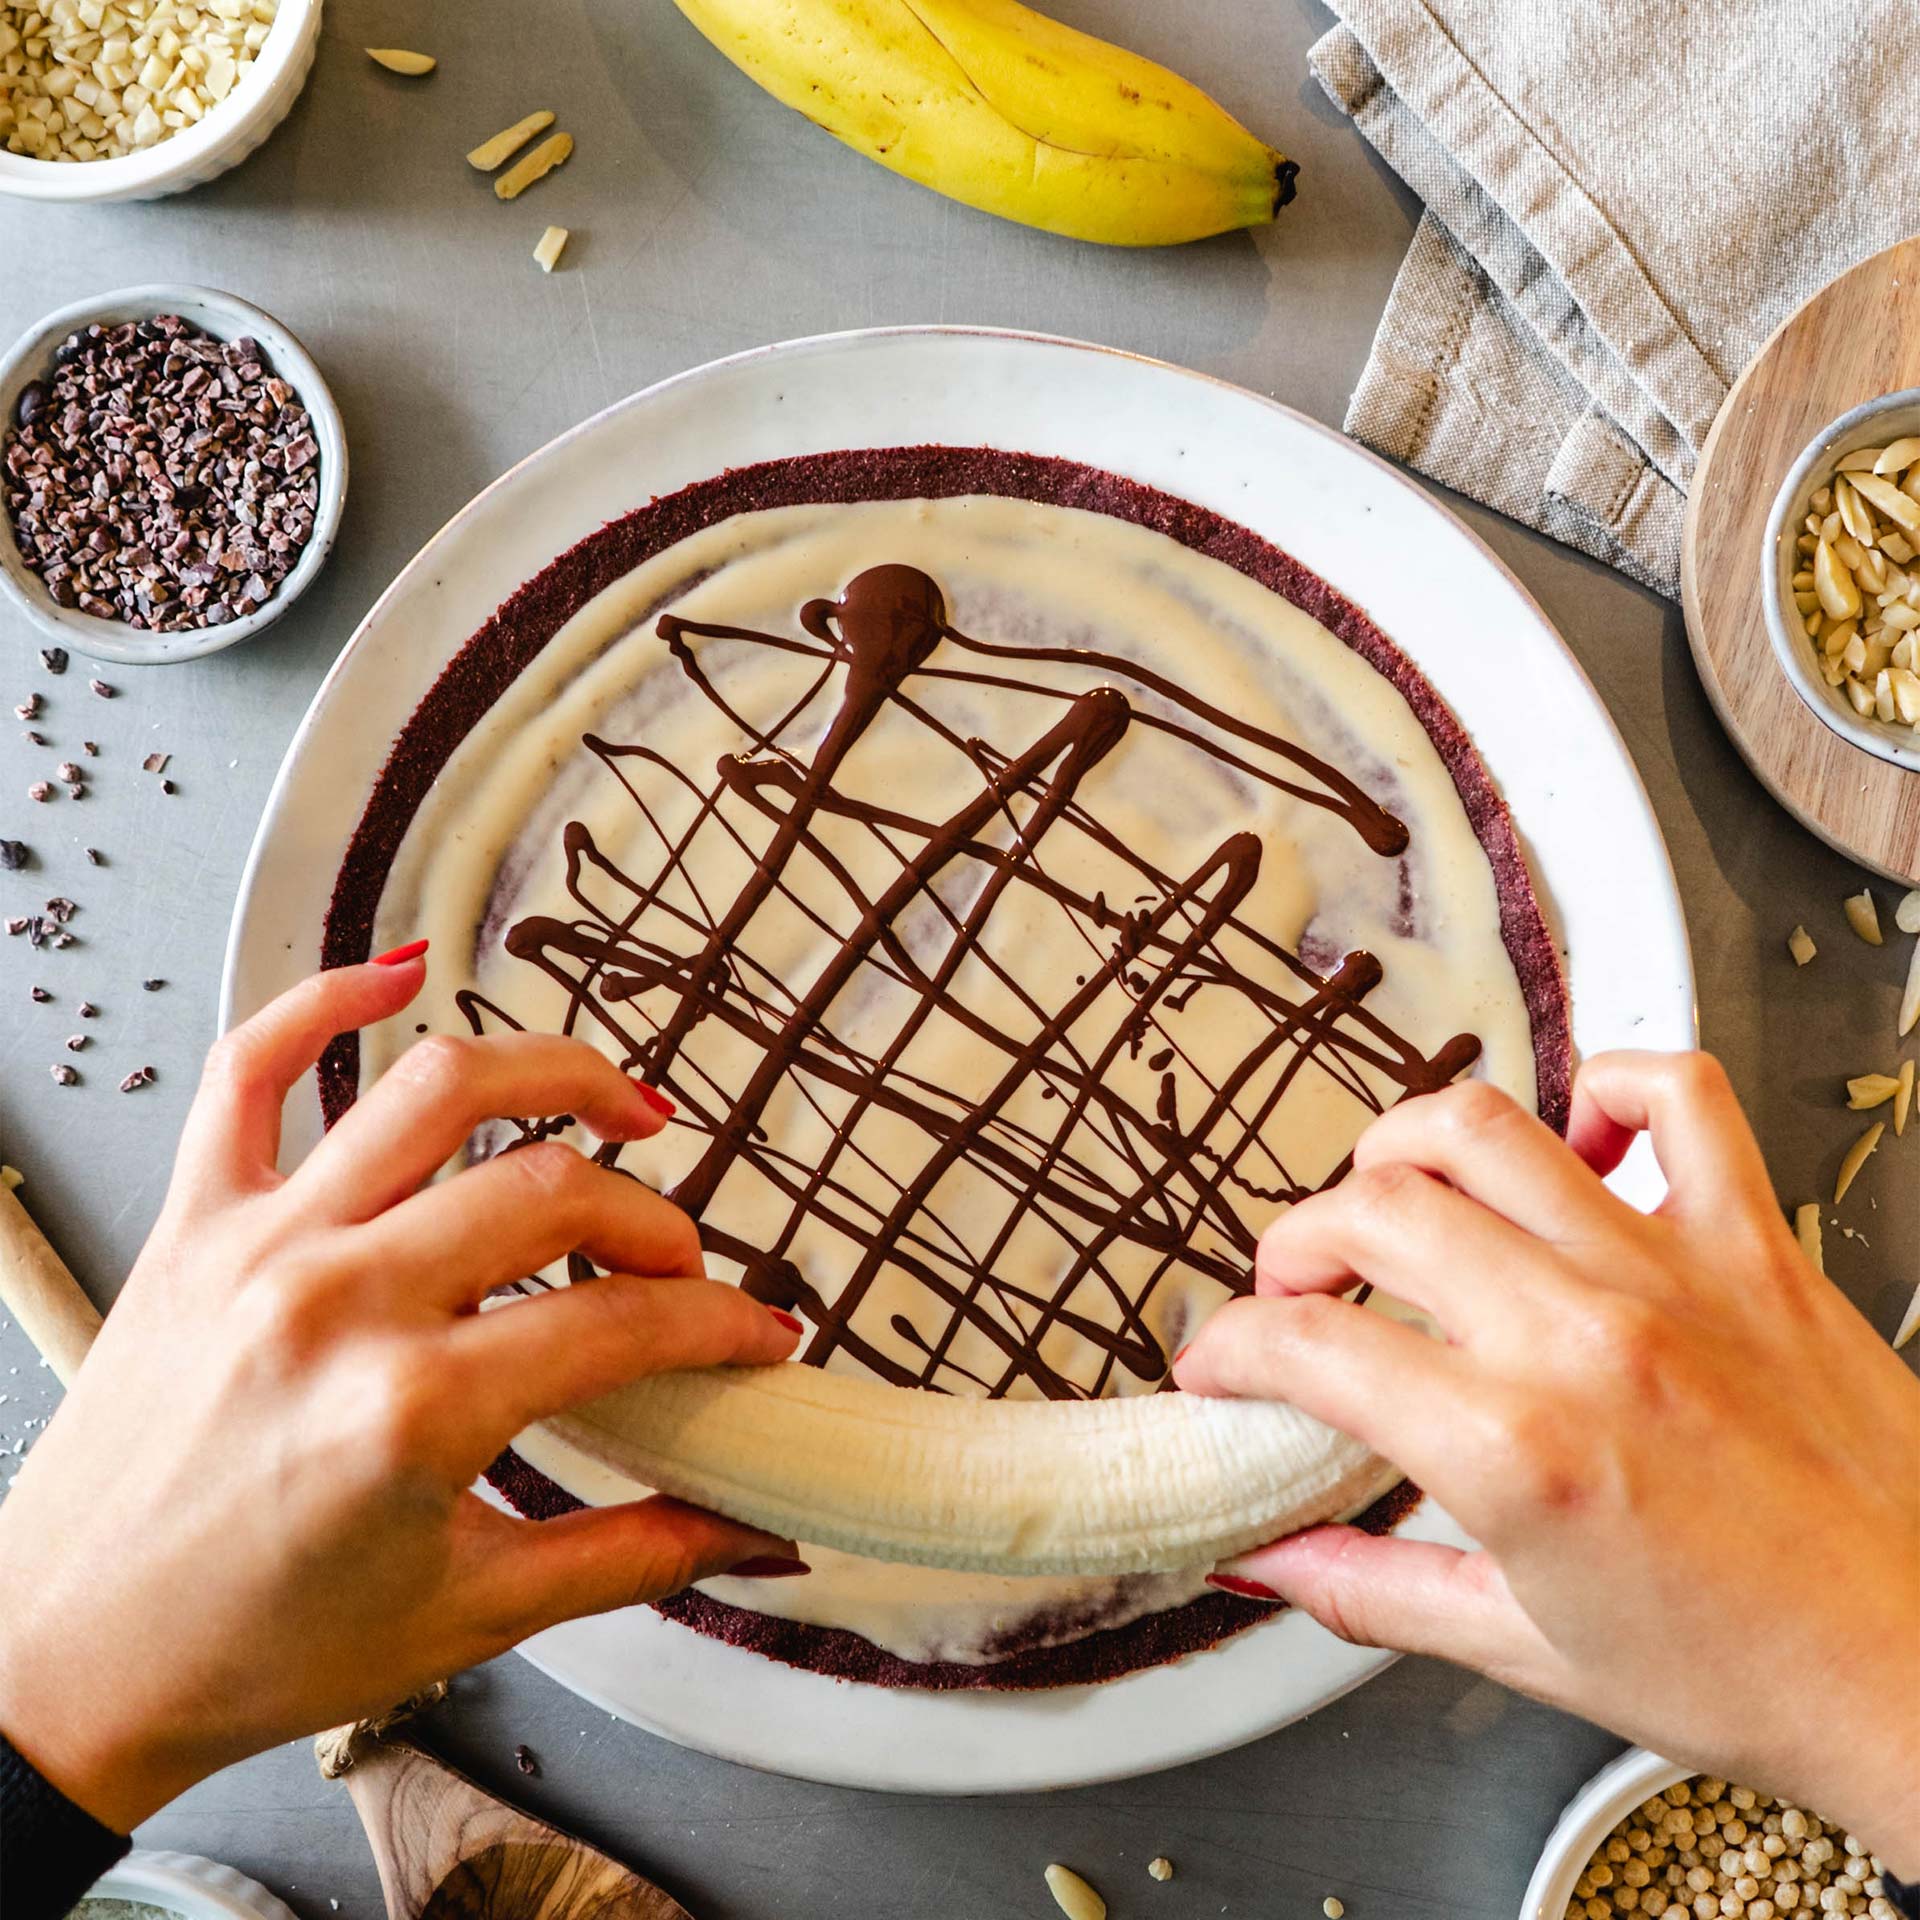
{"type": "Point", "coordinates": [706, 219]}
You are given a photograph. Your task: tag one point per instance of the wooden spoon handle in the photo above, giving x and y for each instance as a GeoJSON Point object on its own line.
{"type": "Point", "coordinates": [37, 1289]}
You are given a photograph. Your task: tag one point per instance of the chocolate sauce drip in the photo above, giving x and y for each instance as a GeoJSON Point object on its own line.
{"type": "Point", "coordinates": [651, 971]}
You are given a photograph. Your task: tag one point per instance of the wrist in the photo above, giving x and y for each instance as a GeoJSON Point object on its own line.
{"type": "Point", "coordinates": [75, 1722]}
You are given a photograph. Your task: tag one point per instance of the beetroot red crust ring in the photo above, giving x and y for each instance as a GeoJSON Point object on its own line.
{"type": "Point", "coordinates": [513, 637]}
{"type": "Point", "coordinates": [1104, 1654]}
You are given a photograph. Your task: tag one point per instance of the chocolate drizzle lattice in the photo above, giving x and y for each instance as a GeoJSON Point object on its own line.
{"type": "Point", "coordinates": [1124, 1195]}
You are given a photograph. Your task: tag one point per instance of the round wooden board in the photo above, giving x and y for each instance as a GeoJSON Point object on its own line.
{"type": "Point", "coordinates": [1855, 339]}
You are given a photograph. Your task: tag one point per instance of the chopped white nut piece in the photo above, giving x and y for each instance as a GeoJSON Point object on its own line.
{"type": "Point", "coordinates": [1800, 945]}
{"type": "Point", "coordinates": [1910, 999]}
{"type": "Point", "coordinates": [504, 145]}
{"type": "Point", "coordinates": [1903, 1098]}
{"type": "Point", "coordinates": [1806, 1229]}
{"type": "Point", "coordinates": [1073, 1896]}
{"type": "Point", "coordinates": [552, 244]}
{"type": "Point", "coordinates": [1160, 1867]}
{"type": "Point", "coordinates": [1856, 1158]}
{"type": "Point", "coordinates": [1909, 1322]}
{"type": "Point", "coordinates": [1863, 916]}
{"type": "Point", "coordinates": [401, 60]}
{"type": "Point", "coordinates": [1870, 1090]}
{"type": "Point", "coordinates": [80, 81]}
{"type": "Point", "coordinates": [537, 165]}
{"type": "Point", "coordinates": [1332, 1907]}
{"type": "Point", "coordinates": [1906, 916]}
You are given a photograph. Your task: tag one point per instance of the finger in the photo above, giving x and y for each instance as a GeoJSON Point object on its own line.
{"type": "Point", "coordinates": [1685, 1102]}
{"type": "Point", "coordinates": [404, 1128]}
{"type": "Point", "coordinates": [531, 1574]}
{"type": "Point", "coordinates": [553, 1350]}
{"type": "Point", "coordinates": [455, 1241]}
{"type": "Point", "coordinates": [233, 1129]}
{"type": "Point", "coordinates": [1411, 1595]}
{"type": "Point", "coordinates": [1380, 1380]}
{"type": "Point", "coordinates": [1403, 1230]}
{"type": "Point", "coordinates": [1486, 1145]}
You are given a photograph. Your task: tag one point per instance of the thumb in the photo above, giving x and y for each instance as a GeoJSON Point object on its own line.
{"type": "Point", "coordinates": [534, 1573]}
{"type": "Point", "coordinates": [1414, 1596]}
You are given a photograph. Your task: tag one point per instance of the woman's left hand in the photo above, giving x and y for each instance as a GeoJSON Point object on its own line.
{"type": "Point", "coordinates": [251, 1517]}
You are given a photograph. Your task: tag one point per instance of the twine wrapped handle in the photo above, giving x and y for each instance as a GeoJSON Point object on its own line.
{"type": "Point", "coordinates": [335, 1750]}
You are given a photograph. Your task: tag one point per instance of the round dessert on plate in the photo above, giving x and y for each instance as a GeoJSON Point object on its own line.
{"type": "Point", "coordinates": [1026, 880]}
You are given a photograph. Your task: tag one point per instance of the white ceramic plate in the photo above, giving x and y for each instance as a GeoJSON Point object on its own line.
{"type": "Point", "coordinates": [1466, 622]}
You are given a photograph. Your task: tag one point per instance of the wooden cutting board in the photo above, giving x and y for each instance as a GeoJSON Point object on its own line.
{"type": "Point", "coordinates": [1857, 338]}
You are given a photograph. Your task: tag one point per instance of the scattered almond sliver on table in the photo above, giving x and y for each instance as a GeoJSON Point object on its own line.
{"type": "Point", "coordinates": [504, 145]}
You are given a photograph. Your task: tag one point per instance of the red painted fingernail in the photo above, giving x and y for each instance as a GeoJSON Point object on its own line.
{"type": "Point", "coordinates": [1246, 1589]}
{"type": "Point", "coordinates": [787, 1320]}
{"type": "Point", "coordinates": [1180, 1353]}
{"type": "Point", "coordinates": [768, 1566]}
{"type": "Point", "coordinates": [657, 1100]}
{"type": "Point", "coordinates": [401, 955]}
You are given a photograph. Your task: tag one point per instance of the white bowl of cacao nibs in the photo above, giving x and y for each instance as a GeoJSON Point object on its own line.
{"type": "Point", "coordinates": [132, 99]}
{"type": "Point", "coordinates": [1647, 1840]}
{"type": "Point", "coordinates": [172, 473]}
{"type": "Point", "coordinates": [1840, 577]}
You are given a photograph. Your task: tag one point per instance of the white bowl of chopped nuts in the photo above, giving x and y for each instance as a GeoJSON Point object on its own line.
{"type": "Point", "coordinates": [1658, 1842]}
{"type": "Point", "coordinates": [280, 514]}
{"type": "Point", "coordinates": [1840, 577]}
{"type": "Point", "coordinates": [134, 99]}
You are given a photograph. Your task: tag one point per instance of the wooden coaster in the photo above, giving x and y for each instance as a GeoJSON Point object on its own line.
{"type": "Point", "coordinates": [1854, 340]}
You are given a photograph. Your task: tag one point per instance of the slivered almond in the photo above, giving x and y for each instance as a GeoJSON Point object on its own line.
{"type": "Point", "coordinates": [1860, 460]}
{"type": "Point", "coordinates": [1869, 1090]}
{"type": "Point", "coordinates": [1073, 1896]}
{"type": "Point", "coordinates": [1910, 999]}
{"type": "Point", "coordinates": [534, 166]}
{"type": "Point", "coordinates": [1855, 516]}
{"type": "Point", "coordinates": [505, 144]}
{"type": "Point", "coordinates": [1856, 1158]}
{"type": "Point", "coordinates": [552, 244]}
{"type": "Point", "coordinates": [1899, 456]}
{"type": "Point", "coordinates": [1906, 916]}
{"type": "Point", "coordinates": [1806, 1229]}
{"type": "Point", "coordinates": [1800, 945]}
{"type": "Point", "coordinates": [1903, 1098]}
{"type": "Point", "coordinates": [1884, 497]}
{"type": "Point", "coordinates": [401, 60]}
{"type": "Point", "coordinates": [1909, 1322]}
{"type": "Point", "coordinates": [1863, 916]}
{"type": "Point", "coordinates": [1833, 583]}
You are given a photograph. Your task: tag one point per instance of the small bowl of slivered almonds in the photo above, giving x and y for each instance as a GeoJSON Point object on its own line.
{"type": "Point", "coordinates": [1840, 576]}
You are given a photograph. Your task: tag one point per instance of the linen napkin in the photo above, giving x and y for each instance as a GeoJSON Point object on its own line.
{"type": "Point", "coordinates": [1624, 198]}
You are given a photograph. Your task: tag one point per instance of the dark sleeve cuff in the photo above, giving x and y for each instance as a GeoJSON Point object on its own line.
{"type": "Point", "coordinates": [51, 1851]}
{"type": "Point", "coordinates": [1905, 1895]}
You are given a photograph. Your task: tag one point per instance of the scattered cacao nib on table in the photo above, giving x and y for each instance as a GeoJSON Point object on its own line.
{"type": "Point", "coordinates": [14, 855]}
{"type": "Point", "coordinates": [54, 659]}
{"type": "Point", "coordinates": [159, 477]}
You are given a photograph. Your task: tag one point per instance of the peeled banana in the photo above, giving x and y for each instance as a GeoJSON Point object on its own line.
{"type": "Point", "coordinates": [1151, 1483]}
{"type": "Point", "coordinates": [995, 105]}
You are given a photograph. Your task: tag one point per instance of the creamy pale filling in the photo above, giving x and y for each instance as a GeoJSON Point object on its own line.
{"type": "Point", "coordinates": [672, 844]}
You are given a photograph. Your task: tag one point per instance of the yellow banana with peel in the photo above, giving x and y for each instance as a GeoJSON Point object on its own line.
{"type": "Point", "coordinates": [995, 105]}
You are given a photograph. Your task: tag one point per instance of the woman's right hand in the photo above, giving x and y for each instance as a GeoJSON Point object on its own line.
{"type": "Point", "coordinates": [250, 1519]}
{"type": "Point", "coordinates": [1694, 1468]}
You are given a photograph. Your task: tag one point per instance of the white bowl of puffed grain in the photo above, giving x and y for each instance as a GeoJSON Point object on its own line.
{"type": "Point", "coordinates": [1647, 1840]}
{"type": "Point", "coordinates": [135, 99]}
